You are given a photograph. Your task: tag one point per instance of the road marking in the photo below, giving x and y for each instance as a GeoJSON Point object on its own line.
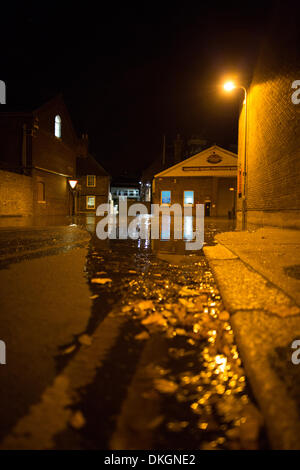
{"type": "Point", "coordinates": [21, 254]}
{"type": "Point", "coordinates": [51, 415]}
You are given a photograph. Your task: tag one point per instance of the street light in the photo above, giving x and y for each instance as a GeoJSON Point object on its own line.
{"type": "Point", "coordinates": [229, 86]}
{"type": "Point", "coordinates": [73, 184]}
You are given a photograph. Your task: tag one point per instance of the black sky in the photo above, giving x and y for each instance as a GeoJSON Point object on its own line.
{"type": "Point", "coordinates": [131, 72]}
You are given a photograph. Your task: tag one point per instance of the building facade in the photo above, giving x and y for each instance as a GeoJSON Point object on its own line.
{"type": "Point", "coordinates": [273, 130]}
{"type": "Point", "coordinates": [39, 154]}
{"type": "Point", "coordinates": [93, 185]}
{"type": "Point", "coordinates": [208, 178]}
{"type": "Point", "coordinates": [125, 187]}
{"type": "Point", "coordinates": [40, 144]}
{"type": "Point", "coordinates": [172, 152]}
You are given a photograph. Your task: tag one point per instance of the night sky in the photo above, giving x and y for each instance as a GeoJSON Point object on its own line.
{"type": "Point", "coordinates": [131, 72]}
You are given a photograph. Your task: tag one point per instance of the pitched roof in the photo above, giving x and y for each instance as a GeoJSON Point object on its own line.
{"type": "Point", "coordinates": [213, 158]}
{"type": "Point", "coordinates": [89, 166]}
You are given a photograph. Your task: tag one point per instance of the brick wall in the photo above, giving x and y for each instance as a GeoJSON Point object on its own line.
{"type": "Point", "coordinates": [225, 197]}
{"type": "Point", "coordinates": [48, 151]}
{"type": "Point", "coordinates": [57, 194]}
{"type": "Point", "coordinates": [273, 131]}
{"type": "Point", "coordinates": [207, 188]}
{"type": "Point", "coordinates": [100, 191]}
{"type": "Point", "coordinates": [50, 160]}
{"type": "Point", "coordinates": [15, 194]}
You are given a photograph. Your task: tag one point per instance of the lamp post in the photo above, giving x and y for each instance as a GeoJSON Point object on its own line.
{"type": "Point", "coordinates": [229, 86]}
{"type": "Point", "coordinates": [73, 184]}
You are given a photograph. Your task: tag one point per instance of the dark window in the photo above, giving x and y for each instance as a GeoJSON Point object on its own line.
{"type": "Point", "coordinates": [40, 191]}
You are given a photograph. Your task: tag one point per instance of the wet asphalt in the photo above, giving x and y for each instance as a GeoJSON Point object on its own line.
{"type": "Point", "coordinates": [173, 379]}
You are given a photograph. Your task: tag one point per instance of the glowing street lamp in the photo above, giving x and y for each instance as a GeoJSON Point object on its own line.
{"type": "Point", "coordinates": [229, 86]}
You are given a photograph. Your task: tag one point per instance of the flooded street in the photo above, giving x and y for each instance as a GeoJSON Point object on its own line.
{"type": "Point", "coordinates": [174, 378]}
{"type": "Point", "coordinates": [143, 356]}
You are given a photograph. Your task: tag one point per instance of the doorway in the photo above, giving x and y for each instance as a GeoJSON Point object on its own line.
{"type": "Point", "coordinates": [207, 209]}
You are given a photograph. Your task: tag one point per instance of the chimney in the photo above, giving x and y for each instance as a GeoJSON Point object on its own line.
{"type": "Point", "coordinates": [178, 148]}
{"type": "Point", "coordinates": [84, 145]}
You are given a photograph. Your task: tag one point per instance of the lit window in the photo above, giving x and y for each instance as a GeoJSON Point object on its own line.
{"type": "Point", "coordinates": [90, 202]}
{"type": "Point", "coordinates": [57, 127]}
{"type": "Point", "coordinates": [40, 191]}
{"type": "Point", "coordinates": [166, 197]}
{"type": "Point", "coordinates": [91, 180]}
{"type": "Point", "coordinates": [188, 197]}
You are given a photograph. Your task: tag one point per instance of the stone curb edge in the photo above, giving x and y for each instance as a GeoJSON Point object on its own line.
{"type": "Point", "coordinates": [278, 408]}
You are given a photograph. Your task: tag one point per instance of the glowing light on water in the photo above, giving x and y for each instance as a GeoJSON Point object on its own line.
{"type": "Point", "coordinates": [221, 361]}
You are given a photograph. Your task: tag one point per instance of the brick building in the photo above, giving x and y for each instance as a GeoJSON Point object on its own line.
{"type": "Point", "coordinates": [172, 152]}
{"type": "Point", "coordinates": [273, 129]}
{"type": "Point", "coordinates": [93, 184]}
{"type": "Point", "coordinates": [38, 154]}
{"type": "Point", "coordinates": [208, 178]}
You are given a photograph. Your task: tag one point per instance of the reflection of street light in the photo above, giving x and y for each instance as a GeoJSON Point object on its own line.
{"type": "Point", "coordinates": [232, 189]}
{"type": "Point", "coordinates": [73, 184]}
{"type": "Point", "coordinates": [229, 86]}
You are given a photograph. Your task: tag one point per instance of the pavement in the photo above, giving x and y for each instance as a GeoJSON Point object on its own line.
{"type": "Point", "coordinates": [258, 274]}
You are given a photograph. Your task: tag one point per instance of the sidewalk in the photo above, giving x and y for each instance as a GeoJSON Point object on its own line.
{"type": "Point", "coordinates": [259, 278]}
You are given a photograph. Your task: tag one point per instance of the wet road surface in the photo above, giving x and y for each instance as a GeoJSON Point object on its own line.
{"type": "Point", "coordinates": [170, 375]}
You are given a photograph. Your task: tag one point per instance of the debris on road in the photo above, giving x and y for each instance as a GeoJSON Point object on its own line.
{"type": "Point", "coordinates": [77, 420]}
{"type": "Point", "coordinates": [100, 280]}
{"type": "Point", "coordinates": [69, 349]}
{"type": "Point", "coordinates": [85, 340]}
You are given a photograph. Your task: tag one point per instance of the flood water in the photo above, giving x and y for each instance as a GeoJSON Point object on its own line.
{"type": "Point", "coordinates": [177, 377]}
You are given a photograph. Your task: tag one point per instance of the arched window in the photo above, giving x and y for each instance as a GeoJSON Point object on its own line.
{"type": "Point", "coordinates": [41, 191]}
{"type": "Point", "coordinates": [57, 127]}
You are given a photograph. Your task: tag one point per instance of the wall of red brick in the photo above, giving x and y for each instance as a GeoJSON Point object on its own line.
{"type": "Point", "coordinates": [50, 152]}
{"type": "Point", "coordinates": [100, 191]}
{"type": "Point", "coordinates": [49, 159]}
{"type": "Point", "coordinates": [15, 194]}
{"type": "Point", "coordinates": [57, 156]}
{"type": "Point", "coordinates": [273, 132]}
{"type": "Point", "coordinates": [207, 188]}
{"type": "Point", "coordinates": [57, 194]}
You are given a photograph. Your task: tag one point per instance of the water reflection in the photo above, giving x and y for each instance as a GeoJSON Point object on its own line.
{"type": "Point", "coordinates": [165, 227]}
{"type": "Point", "coordinates": [188, 233]}
{"type": "Point", "coordinates": [172, 233]}
{"type": "Point", "coordinates": [37, 221]}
